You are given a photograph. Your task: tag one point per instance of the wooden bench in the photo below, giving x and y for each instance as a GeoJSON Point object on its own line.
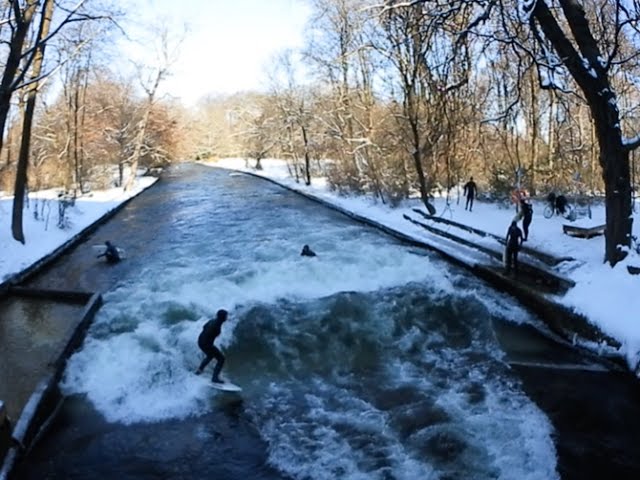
{"type": "Point", "coordinates": [583, 232]}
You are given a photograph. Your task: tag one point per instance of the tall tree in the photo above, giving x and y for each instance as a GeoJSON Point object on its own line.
{"type": "Point", "coordinates": [571, 43]}
{"type": "Point", "coordinates": [590, 65]}
{"type": "Point", "coordinates": [32, 89]}
{"type": "Point", "coordinates": [292, 106]}
{"type": "Point", "coordinates": [333, 42]}
{"type": "Point", "coordinates": [421, 54]}
{"type": "Point", "coordinates": [21, 17]}
{"type": "Point", "coordinates": [150, 78]}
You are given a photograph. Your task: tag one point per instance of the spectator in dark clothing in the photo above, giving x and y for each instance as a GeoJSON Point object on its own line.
{"type": "Point", "coordinates": [209, 333]}
{"type": "Point", "coordinates": [307, 252]}
{"type": "Point", "coordinates": [111, 253]}
{"type": "Point", "coordinates": [514, 241]}
{"type": "Point", "coordinates": [558, 203]}
{"type": "Point", "coordinates": [470, 191]}
{"type": "Point", "coordinates": [561, 204]}
{"type": "Point", "coordinates": [527, 216]}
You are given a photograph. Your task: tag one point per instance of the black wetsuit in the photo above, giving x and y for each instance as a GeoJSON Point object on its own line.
{"type": "Point", "coordinates": [307, 252]}
{"type": "Point", "coordinates": [209, 333]}
{"type": "Point", "coordinates": [527, 210]}
{"type": "Point", "coordinates": [514, 240]}
{"type": "Point", "coordinates": [470, 190]}
{"type": "Point", "coordinates": [111, 254]}
{"type": "Point", "coordinates": [561, 204]}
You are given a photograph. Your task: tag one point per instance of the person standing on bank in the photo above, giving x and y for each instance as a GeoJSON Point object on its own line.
{"type": "Point", "coordinates": [470, 191]}
{"type": "Point", "coordinates": [209, 333]}
{"type": "Point", "coordinates": [527, 216]}
{"type": "Point", "coordinates": [514, 241]}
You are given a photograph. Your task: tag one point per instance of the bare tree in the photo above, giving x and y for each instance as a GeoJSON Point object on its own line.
{"type": "Point", "coordinates": [421, 56]}
{"type": "Point", "coordinates": [150, 78]}
{"type": "Point", "coordinates": [589, 64]}
{"type": "Point", "coordinates": [257, 125]}
{"type": "Point", "coordinates": [22, 62]}
{"type": "Point", "coordinates": [332, 44]}
{"type": "Point", "coordinates": [21, 16]}
{"type": "Point", "coordinates": [23, 159]}
{"type": "Point", "coordinates": [572, 44]}
{"type": "Point", "coordinates": [294, 111]}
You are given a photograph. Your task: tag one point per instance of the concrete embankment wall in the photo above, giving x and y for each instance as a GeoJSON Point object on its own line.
{"type": "Point", "coordinates": [46, 399]}
{"type": "Point", "coordinates": [563, 321]}
{"type": "Point", "coordinates": [74, 241]}
{"type": "Point", "coordinates": [17, 436]}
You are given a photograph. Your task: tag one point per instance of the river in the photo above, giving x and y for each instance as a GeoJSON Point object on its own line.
{"type": "Point", "coordinates": [373, 360]}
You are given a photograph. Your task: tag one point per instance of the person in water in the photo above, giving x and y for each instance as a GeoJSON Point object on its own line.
{"type": "Point", "coordinates": [111, 253]}
{"type": "Point", "coordinates": [307, 252]}
{"type": "Point", "coordinates": [209, 333]}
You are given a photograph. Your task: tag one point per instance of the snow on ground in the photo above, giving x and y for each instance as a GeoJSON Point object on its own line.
{"type": "Point", "coordinates": [43, 236]}
{"type": "Point", "coordinates": [609, 297]}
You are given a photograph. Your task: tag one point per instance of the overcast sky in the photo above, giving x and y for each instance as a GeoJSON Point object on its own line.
{"type": "Point", "coordinates": [229, 42]}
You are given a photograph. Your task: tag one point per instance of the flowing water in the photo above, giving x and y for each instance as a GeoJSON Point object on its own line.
{"type": "Point", "coordinates": [372, 360]}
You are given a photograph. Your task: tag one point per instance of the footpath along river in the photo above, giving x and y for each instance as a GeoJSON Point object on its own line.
{"type": "Point", "coordinates": [374, 360]}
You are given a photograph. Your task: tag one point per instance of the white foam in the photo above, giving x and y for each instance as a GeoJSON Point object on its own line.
{"type": "Point", "coordinates": [506, 436]}
{"type": "Point", "coordinates": [146, 374]}
{"type": "Point", "coordinates": [310, 445]}
{"type": "Point", "coordinates": [138, 376]}
{"type": "Point", "coordinates": [138, 361]}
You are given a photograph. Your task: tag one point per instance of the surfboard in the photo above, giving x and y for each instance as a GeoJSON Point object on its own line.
{"type": "Point", "coordinates": [504, 257]}
{"type": "Point", "coordinates": [226, 386]}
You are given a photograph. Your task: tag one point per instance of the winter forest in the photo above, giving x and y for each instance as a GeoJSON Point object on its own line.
{"type": "Point", "coordinates": [386, 98]}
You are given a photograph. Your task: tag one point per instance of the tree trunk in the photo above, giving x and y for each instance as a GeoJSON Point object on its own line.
{"type": "Point", "coordinates": [19, 34]}
{"type": "Point", "coordinates": [81, 130]}
{"type": "Point", "coordinates": [588, 70]}
{"type": "Point", "coordinates": [23, 159]}
{"type": "Point", "coordinates": [422, 182]}
{"type": "Point", "coordinates": [76, 140]}
{"type": "Point", "coordinates": [552, 133]}
{"type": "Point", "coordinates": [614, 160]}
{"type": "Point", "coordinates": [535, 114]}
{"type": "Point", "coordinates": [593, 158]}
{"type": "Point", "coordinates": [307, 161]}
{"type": "Point", "coordinates": [142, 127]}
{"type": "Point", "coordinates": [137, 149]}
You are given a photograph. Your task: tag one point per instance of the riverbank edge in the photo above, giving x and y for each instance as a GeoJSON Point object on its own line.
{"type": "Point", "coordinates": [46, 399]}
{"type": "Point", "coordinates": [43, 263]}
{"type": "Point", "coordinates": [570, 326]}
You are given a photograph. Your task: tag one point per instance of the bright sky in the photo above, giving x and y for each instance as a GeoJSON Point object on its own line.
{"type": "Point", "coordinates": [229, 42]}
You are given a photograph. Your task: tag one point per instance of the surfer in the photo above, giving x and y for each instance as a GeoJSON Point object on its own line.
{"type": "Point", "coordinates": [209, 333]}
{"type": "Point", "coordinates": [111, 253]}
{"type": "Point", "coordinates": [307, 252]}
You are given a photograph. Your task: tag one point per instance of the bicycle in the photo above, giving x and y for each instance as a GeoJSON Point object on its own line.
{"type": "Point", "coordinates": [559, 205]}
{"type": "Point", "coordinates": [569, 212]}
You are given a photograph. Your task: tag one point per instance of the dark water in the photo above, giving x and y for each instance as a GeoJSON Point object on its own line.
{"type": "Point", "coordinates": [30, 330]}
{"type": "Point", "coordinates": [370, 361]}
